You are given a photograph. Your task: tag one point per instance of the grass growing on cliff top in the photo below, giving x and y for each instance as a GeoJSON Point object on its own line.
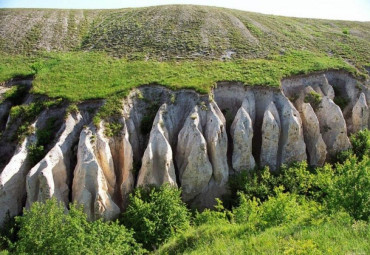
{"type": "Point", "coordinates": [80, 75]}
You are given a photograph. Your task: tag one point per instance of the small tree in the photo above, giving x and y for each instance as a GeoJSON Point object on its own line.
{"type": "Point", "coordinates": [155, 214]}
{"type": "Point", "coordinates": [47, 229]}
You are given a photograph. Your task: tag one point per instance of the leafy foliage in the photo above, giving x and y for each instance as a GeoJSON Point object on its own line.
{"type": "Point", "coordinates": [47, 229]}
{"type": "Point", "coordinates": [349, 188]}
{"type": "Point", "coordinates": [155, 214]}
{"type": "Point", "coordinates": [313, 98]}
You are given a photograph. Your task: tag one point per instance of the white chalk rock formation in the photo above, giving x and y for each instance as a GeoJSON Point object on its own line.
{"type": "Point", "coordinates": [332, 126]}
{"type": "Point", "coordinates": [157, 163]}
{"type": "Point", "coordinates": [293, 147]}
{"type": "Point", "coordinates": [195, 170]}
{"type": "Point", "coordinates": [242, 133]}
{"type": "Point", "coordinates": [316, 147]}
{"type": "Point", "coordinates": [270, 137]}
{"type": "Point", "coordinates": [13, 181]}
{"type": "Point", "coordinates": [360, 114]}
{"type": "Point", "coordinates": [216, 137]}
{"type": "Point", "coordinates": [122, 154]}
{"type": "Point", "coordinates": [94, 177]}
{"type": "Point", "coordinates": [49, 178]}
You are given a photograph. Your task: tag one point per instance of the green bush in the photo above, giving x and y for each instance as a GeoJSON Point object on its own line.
{"type": "Point", "coordinates": [361, 143]}
{"type": "Point", "coordinates": [217, 216]}
{"type": "Point", "coordinates": [360, 146]}
{"type": "Point", "coordinates": [155, 214]}
{"type": "Point", "coordinates": [349, 188]}
{"type": "Point", "coordinates": [255, 183]}
{"type": "Point", "coordinates": [282, 208]}
{"type": "Point", "coordinates": [47, 229]}
{"type": "Point", "coordinates": [35, 153]}
{"type": "Point", "coordinates": [313, 98]}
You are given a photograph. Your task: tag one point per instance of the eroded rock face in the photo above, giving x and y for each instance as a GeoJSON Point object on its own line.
{"type": "Point", "coordinates": [189, 144]}
{"type": "Point", "coordinates": [316, 147]}
{"type": "Point", "coordinates": [292, 143]}
{"type": "Point", "coordinates": [49, 178]}
{"type": "Point", "coordinates": [157, 163]}
{"type": "Point", "coordinates": [242, 135]}
{"type": "Point", "coordinates": [94, 176]}
{"type": "Point", "coordinates": [270, 137]}
{"type": "Point", "coordinates": [216, 137]}
{"type": "Point", "coordinates": [332, 126]}
{"type": "Point", "coordinates": [13, 180]}
{"type": "Point", "coordinates": [195, 169]}
{"type": "Point", "coordinates": [360, 114]}
{"type": "Point", "coordinates": [122, 154]}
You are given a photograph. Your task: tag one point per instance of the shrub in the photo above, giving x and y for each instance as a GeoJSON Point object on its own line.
{"type": "Point", "coordinates": [313, 98]}
{"type": "Point", "coordinates": [72, 108]}
{"type": "Point", "coordinates": [35, 153]}
{"type": "Point", "coordinates": [361, 143]}
{"type": "Point", "coordinates": [47, 229]}
{"type": "Point", "coordinates": [44, 137]}
{"type": "Point", "coordinates": [282, 208]}
{"type": "Point", "coordinates": [349, 188]}
{"type": "Point", "coordinates": [360, 146]}
{"type": "Point", "coordinates": [218, 215]}
{"type": "Point", "coordinates": [155, 214]}
{"type": "Point", "coordinates": [255, 183]}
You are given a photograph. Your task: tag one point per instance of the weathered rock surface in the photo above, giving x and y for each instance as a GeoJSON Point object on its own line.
{"type": "Point", "coordinates": [316, 147]}
{"type": "Point", "coordinates": [216, 137]}
{"type": "Point", "coordinates": [332, 126]}
{"type": "Point", "coordinates": [50, 177]}
{"type": "Point", "coordinates": [360, 114]}
{"type": "Point", "coordinates": [189, 144]}
{"type": "Point", "coordinates": [13, 181]}
{"type": "Point", "coordinates": [242, 135]}
{"type": "Point", "coordinates": [292, 143]}
{"type": "Point", "coordinates": [195, 169]}
{"type": "Point", "coordinates": [270, 137]}
{"type": "Point", "coordinates": [94, 177]}
{"type": "Point", "coordinates": [122, 154]}
{"type": "Point", "coordinates": [157, 163]}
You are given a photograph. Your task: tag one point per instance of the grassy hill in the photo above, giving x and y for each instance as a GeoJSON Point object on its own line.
{"type": "Point", "coordinates": [82, 54]}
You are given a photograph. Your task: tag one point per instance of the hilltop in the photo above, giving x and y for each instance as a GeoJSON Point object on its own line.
{"type": "Point", "coordinates": [179, 32]}
{"type": "Point", "coordinates": [89, 54]}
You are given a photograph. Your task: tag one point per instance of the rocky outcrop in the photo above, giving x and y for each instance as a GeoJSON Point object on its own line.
{"type": "Point", "coordinates": [270, 137]}
{"type": "Point", "coordinates": [50, 177]}
{"type": "Point", "coordinates": [122, 154]}
{"type": "Point", "coordinates": [194, 167]}
{"type": "Point", "coordinates": [13, 180]}
{"type": "Point", "coordinates": [316, 147]}
{"type": "Point", "coordinates": [195, 142]}
{"type": "Point", "coordinates": [242, 135]}
{"type": "Point", "coordinates": [292, 143]}
{"type": "Point", "coordinates": [202, 156]}
{"type": "Point", "coordinates": [216, 137]}
{"type": "Point", "coordinates": [332, 126]}
{"type": "Point", "coordinates": [94, 176]}
{"type": "Point", "coordinates": [360, 114]}
{"type": "Point", "coordinates": [157, 163]}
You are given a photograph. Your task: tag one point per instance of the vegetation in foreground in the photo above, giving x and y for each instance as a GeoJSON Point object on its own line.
{"type": "Point", "coordinates": [297, 211]}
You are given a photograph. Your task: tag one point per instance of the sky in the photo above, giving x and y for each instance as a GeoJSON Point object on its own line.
{"type": "Point", "coordinates": [325, 9]}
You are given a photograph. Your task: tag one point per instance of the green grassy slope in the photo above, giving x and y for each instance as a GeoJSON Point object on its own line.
{"type": "Point", "coordinates": [324, 238]}
{"type": "Point", "coordinates": [179, 46]}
